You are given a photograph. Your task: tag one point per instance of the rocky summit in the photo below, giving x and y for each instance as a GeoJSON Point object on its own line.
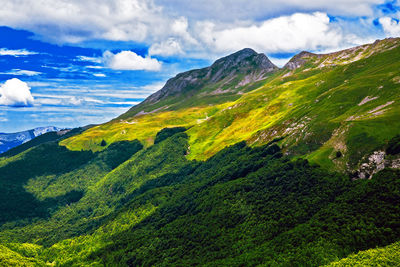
{"type": "Point", "coordinates": [227, 76]}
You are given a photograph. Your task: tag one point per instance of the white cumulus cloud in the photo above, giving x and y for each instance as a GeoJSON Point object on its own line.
{"type": "Point", "coordinates": [76, 20]}
{"type": "Point", "coordinates": [154, 21]}
{"type": "Point", "coordinates": [299, 31]}
{"type": "Point", "coordinates": [15, 92]}
{"type": "Point", "coordinates": [390, 26]}
{"type": "Point", "coordinates": [128, 60]}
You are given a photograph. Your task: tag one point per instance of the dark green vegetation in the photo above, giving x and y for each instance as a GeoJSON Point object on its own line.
{"type": "Point", "coordinates": [47, 137]}
{"type": "Point", "coordinates": [260, 209]}
{"type": "Point", "coordinates": [238, 164]}
{"type": "Point", "coordinates": [243, 206]}
{"type": "Point", "coordinates": [60, 178]}
{"type": "Point", "coordinates": [167, 132]}
{"type": "Point", "coordinates": [48, 159]}
{"type": "Point", "coordinates": [393, 147]}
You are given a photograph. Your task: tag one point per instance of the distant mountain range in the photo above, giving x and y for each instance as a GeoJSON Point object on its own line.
{"type": "Point", "coordinates": [10, 140]}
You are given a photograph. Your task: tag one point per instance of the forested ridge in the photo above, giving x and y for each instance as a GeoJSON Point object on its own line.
{"type": "Point", "coordinates": [243, 206]}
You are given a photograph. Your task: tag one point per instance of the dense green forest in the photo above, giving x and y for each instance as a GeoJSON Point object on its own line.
{"type": "Point", "coordinates": [243, 206]}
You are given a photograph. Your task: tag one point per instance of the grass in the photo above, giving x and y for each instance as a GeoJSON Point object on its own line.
{"type": "Point", "coordinates": [318, 112]}
{"type": "Point", "coordinates": [386, 256]}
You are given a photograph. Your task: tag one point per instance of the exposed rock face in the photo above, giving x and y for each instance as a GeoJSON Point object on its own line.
{"type": "Point", "coordinates": [377, 161]}
{"type": "Point", "coordinates": [244, 62]}
{"type": "Point", "coordinates": [366, 100]}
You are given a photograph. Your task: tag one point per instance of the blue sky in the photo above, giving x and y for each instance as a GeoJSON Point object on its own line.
{"type": "Point", "coordinates": [73, 63]}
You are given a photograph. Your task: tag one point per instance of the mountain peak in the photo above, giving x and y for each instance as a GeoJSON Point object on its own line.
{"type": "Point", "coordinates": [225, 76]}
{"type": "Point", "coordinates": [244, 57]}
{"type": "Point", "coordinates": [299, 60]}
{"type": "Point", "coordinates": [239, 55]}
{"type": "Point", "coordinates": [246, 50]}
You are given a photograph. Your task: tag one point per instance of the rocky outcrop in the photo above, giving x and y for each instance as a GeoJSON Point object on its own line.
{"type": "Point", "coordinates": [377, 161]}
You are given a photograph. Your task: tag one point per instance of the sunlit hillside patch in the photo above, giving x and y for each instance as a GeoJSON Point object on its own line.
{"type": "Point", "coordinates": [25, 254]}
{"type": "Point", "coordinates": [142, 127]}
{"type": "Point", "coordinates": [319, 111]}
{"type": "Point", "coordinates": [385, 256]}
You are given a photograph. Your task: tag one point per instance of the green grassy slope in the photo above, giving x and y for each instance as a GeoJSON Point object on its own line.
{"type": "Point", "coordinates": [345, 103]}
{"type": "Point", "coordinates": [386, 256]}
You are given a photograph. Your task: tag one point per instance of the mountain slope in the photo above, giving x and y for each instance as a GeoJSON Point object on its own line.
{"type": "Point", "coordinates": [339, 114]}
{"type": "Point", "coordinates": [242, 206]}
{"type": "Point", "coordinates": [226, 78]}
{"type": "Point", "coordinates": [305, 60]}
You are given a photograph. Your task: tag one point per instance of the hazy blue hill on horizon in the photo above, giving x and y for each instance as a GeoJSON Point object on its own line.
{"type": "Point", "coordinates": [10, 140]}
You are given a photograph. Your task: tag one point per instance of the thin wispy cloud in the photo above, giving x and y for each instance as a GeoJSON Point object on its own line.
{"type": "Point", "coordinates": [16, 52]}
{"type": "Point", "coordinates": [89, 59]}
{"type": "Point", "coordinates": [99, 75]}
{"type": "Point", "coordinates": [94, 67]}
{"type": "Point", "coordinates": [19, 72]}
